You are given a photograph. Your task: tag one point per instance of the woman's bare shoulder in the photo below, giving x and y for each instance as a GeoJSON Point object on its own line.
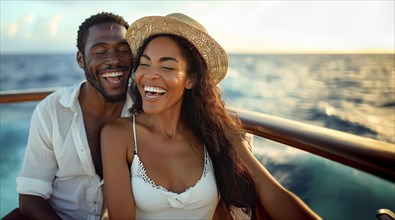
{"type": "Point", "coordinates": [116, 137]}
{"type": "Point", "coordinates": [117, 127]}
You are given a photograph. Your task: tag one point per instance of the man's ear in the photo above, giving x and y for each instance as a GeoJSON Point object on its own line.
{"type": "Point", "coordinates": [80, 59]}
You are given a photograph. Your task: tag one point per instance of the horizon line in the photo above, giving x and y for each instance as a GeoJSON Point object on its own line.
{"type": "Point", "coordinates": [230, 52]}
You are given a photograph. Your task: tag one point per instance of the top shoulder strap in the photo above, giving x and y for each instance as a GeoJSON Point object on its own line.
{"type": "Point", "coordinates": [134, 134]}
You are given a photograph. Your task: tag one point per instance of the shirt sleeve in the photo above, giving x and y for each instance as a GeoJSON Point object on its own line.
{"type": "Point", "coordinates": [39, 164]}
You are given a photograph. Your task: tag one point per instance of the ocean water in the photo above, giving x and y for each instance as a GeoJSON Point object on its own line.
{"type": "Point", "coordinates": [351, 93]}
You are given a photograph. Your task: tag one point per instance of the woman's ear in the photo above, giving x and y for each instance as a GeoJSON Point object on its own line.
{"type": "Point", "coordinates": [191, 81]}
{"type": "Point", "coordinates": [80, 60]}
{"type": "Point", "coordinates": [189, 85]}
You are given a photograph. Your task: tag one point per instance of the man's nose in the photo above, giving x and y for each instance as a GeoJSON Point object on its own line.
{"type": "Point", "coordinates": [112, 58]}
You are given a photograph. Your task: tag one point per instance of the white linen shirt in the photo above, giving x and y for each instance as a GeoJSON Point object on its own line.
{"type": "Point", "coordinates": [57, 164]}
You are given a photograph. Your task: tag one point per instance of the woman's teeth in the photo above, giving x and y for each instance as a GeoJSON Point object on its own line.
{"type": "Point", "coordinates": [154, 89]}
{"type": "Point", "coordinates": [153, 92]}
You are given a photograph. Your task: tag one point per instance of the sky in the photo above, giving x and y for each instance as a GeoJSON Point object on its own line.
{"type": "Point", "coordinates": [239, 26]}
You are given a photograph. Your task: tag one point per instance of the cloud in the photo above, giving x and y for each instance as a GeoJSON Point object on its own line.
{"type": "Point", "coordinates": [54, 24]}
{"type": "Point", "coordinates": [28, 18]}
{"type": "Point", "coordinates": [253, 26]}
{"type": "Point", "coordinates": [15, 26]}
{"type": "Point", "coordinates": [32, 31]}
{"type": "Point", "coordinates": [12, 29]}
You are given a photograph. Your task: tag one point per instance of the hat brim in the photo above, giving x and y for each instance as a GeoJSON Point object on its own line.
{"type": "Point", "coordinates": [213, 54]}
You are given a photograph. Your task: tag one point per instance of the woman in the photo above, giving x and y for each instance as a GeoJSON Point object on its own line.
{"type": "Point", "coordinates": [181, 151]}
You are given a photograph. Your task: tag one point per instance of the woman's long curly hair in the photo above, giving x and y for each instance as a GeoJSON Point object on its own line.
{"type": "Point", "coordinates": [204, 111]}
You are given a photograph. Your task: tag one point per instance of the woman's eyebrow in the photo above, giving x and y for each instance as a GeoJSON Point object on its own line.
{"type": "Point", "coordinates": [162, 59]}
{"type": "Point", "coordinates": [168, 58]}
{"type": "Point", "coordinates": [145, 56]}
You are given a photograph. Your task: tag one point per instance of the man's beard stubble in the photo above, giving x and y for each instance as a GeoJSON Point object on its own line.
{"type": "Point", "coordinates": [98, 86]}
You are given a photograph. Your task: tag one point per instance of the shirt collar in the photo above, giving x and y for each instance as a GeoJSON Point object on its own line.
{"type": "Point", "coordinates": [69, 99]}
{"type": "Point", "coordinates": [127, 106]}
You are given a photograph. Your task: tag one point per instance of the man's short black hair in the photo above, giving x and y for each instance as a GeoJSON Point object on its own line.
{"type": "Point", "coordinates": [100, 18]}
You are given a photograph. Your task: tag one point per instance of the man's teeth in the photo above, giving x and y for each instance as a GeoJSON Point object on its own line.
{"type": "Point", "coordinates": [154, 89]}
{"type": "Point", "coordinates": [112, 74]}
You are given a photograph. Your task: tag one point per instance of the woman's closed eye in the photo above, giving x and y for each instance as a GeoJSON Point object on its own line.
{"type": "Point", "coordinates": [143, 65]}
{"type": "Point", "coordinates": [168, 68]}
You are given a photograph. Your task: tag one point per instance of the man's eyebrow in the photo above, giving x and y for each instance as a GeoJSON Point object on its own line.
{"type": "Point", "coordinates": [124, 42]}
{"type": "Point", "coordinates": [104, 43]}
{"type": "Point", "coordinates": [97, 44]}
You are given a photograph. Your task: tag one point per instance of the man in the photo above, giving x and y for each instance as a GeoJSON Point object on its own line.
{"type": "Point", "coordinates": [61, 175]}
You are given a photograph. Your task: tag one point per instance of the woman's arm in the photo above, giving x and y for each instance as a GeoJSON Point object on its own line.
{"type": "Point", "coordinates": [117, 186]}
{"type": "Point", "coordinates": [278, 201]}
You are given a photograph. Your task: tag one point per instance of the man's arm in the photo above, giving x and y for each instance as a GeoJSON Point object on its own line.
{"type": "Point", "coordinates": [36, 207]}
{"type": "Point", "coordinates": [34, 183]}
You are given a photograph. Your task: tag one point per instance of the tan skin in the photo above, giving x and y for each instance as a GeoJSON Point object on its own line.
{"type": "Point", "coordinates": [177, 162]}
{"type": "Point", "coordinates": [106, 50]}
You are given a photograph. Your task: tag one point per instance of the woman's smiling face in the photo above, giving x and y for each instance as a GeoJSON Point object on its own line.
{"type": "Point", "coordinates": [161, 76]}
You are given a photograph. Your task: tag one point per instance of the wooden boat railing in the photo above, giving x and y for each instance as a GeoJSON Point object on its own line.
{"type": "Point", "coordinates": [372, 156]}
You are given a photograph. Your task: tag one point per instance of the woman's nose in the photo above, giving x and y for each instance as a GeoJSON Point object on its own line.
{"type": "Point", "coordinates": [151, 73]}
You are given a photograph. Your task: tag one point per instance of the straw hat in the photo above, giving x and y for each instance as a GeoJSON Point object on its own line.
{"type": "Point", "coordinates": [179, 24]}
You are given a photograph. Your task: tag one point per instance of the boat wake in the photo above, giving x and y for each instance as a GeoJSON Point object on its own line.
{"type": "Point", "coordinates": [357, 120]}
